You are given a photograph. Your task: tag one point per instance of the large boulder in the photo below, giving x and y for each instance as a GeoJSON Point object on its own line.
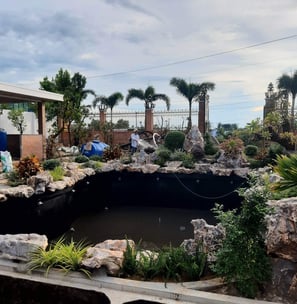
{"type": "Point", "coordinates": [108, 254]}
{"type": "Point", "coordinates": [208, 236]}
{"type": "Point", "coordinates": [281, 246]}
{"type": "Point", "coordinates": [194, 140]}
{"type": "Point", "coordinates": [281, 239]}
{"type": "Point", "coordinates": [20, 246]}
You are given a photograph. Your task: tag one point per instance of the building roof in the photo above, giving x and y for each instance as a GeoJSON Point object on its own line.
{"type": "Point", "coordinates": [13, 94]}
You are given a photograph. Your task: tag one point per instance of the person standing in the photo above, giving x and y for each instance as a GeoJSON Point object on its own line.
{"type": "Point", "coordinates": [134, 141]}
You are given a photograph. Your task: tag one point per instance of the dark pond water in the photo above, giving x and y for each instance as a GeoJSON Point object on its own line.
{"type": "Point", "coordinates": [149, 226]}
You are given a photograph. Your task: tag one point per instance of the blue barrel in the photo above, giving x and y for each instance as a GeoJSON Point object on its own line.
{"type": "Point", "coordinates": [94, 148]}
{"type": "Point", "coordinates": [3, 140]}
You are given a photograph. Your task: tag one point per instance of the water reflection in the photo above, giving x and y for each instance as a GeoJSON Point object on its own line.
{"type": "Point", "coordinates": [151, 226]}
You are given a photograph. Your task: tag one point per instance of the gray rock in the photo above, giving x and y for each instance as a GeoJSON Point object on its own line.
{"type": "Point", "coordinates": [20, 246]}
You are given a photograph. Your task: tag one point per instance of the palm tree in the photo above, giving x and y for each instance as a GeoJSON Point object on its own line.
{"type": "Point", "coordinates": [109, 102]}
{"type": "Point", "coordinates": [289, 83]}
{"type": "Point", "coordinates": [149, 96]}
{"type": "Point", "coordinates": [192, 91]}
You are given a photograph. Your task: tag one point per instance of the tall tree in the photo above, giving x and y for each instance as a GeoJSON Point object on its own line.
{"type": "Point", "coordinates": [289, 83]}
{"type": "Point", "coordinates": [192, 91]}
{"type": "Point", "coordinates": [149, 96]}
{"type": "Point", "coordinates": [110, 101]}
{"type": "Point", "coordinates": [71, 110]}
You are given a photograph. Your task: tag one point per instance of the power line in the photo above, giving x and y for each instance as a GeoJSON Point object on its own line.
{"type": "Point", "coordinates": [194, 59]}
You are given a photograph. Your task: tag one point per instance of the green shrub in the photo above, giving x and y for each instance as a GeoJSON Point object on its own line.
{"type": "Point", "coordinates": [51, 164]}
{"type": "Point", "coordinates": [275, 149]}
{"type": "Point", "coordinates": [14, 179]}
{"type": "Point", "coordinates": [175, 263]}
{"type": "Point", "coordinates": [130, 262]}
{"type": "Point", "coordinates": [178, 156]}
{"type": "Point", "coordinates": [174, 140]}
{"type": "Point", "coordinates": [168, 263]}
{"type": "Point", "coordinates": [242, 259]}
{"type": "Point", "coordinates": [162, 156]}
{"type": "Point", "coordinates": [96, 165]}
{"type": "Point", "coordinates": [209, 148]}
{"type": "Point", "coordinates": [188, 162]}
{"type": "Point", "coordinates": [197, 152]}
{"type": "Point", "coordinates": [95, 157]}
{"type": "Point", "coordinates": [251, 150]}
{"type": "Point", "coordinates": [57, 173]}
{"type": "Point", "coordinates": [81, 159]}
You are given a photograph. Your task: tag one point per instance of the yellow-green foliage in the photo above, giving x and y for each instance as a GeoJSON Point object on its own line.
{"type": "Point", "coordinates": [67, 257]}
{"type": "Point", "coordinates": [57, 173]}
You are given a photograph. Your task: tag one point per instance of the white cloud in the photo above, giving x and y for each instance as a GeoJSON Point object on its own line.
{"type": "Point", "coordinates": [154, 41]}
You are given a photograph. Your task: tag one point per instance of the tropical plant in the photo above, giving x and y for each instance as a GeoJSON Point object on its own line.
{"type": "Point", "coordinates": [71, 110]}
{"type": "Point", "coordinates": [192, 91]}
{"type": "Point", "coordinates": [289, 83]}
{"type": "Point", "coordinates": [110, 101]}
{"type": "Point", "coordinates": [149, 96]}
{"type": "Point", "coordinates": [28, 166]}
{"type": "Point", "coordinates": [110, 153]}
{"type": "Point", "coordinates": [274, 121]}
{"type": "Point", "coordinates": [242, 259]}
{"type": "Point", "coordinates": [17, 119]}
{"type": "Point", "coordinates": [286, 168]}
{"type": "Point", "coordinates": [232, 147]}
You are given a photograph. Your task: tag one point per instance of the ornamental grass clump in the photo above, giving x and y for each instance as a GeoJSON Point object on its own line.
{"type": "Point", "coordinates": [57, 173]}
{"type": "Point", "coordinates": [242, 260]}
{"type": "Point", "coordinates": [60, 255]}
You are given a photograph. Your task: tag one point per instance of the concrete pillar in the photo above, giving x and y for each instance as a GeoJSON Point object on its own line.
{"type": "Point", "coordinates": [42, 126]}
{"type": "Point", "coordinates": [102, 117]}
{"type": "Point", "coordinates": [203, 115]}
{"type": "Point", "coordinates": [149, 120]}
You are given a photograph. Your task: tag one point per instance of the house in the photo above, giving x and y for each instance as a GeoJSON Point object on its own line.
{"type": "Point", "coordinates": [23, 145]}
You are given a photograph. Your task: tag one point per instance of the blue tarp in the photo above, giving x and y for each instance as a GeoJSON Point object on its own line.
{"type": "Point", "coordinates": [94, 147]}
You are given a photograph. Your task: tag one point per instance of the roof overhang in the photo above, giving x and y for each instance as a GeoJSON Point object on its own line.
{"type": "Point", "coordinates": [13, 94]}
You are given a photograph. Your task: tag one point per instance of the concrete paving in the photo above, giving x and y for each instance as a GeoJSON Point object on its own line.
{"type": "Point", "coordinates": [121, 291]}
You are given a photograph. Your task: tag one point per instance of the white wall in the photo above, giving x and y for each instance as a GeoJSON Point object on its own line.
{"type": "Point", "coordinates": [31, 122]}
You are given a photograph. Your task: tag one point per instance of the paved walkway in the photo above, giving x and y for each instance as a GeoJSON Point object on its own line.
{"type": "Point", "coordinates": [121, 291]}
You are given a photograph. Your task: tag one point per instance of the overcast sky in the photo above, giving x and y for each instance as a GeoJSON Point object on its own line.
{"type": "Point", "coordinates": [239, 45]}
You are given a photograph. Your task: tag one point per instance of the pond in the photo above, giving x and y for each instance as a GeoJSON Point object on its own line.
{"type": "Point", "coordinates": [153, 209]}
{"type": "Point", "coordinates": [150, 227]}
